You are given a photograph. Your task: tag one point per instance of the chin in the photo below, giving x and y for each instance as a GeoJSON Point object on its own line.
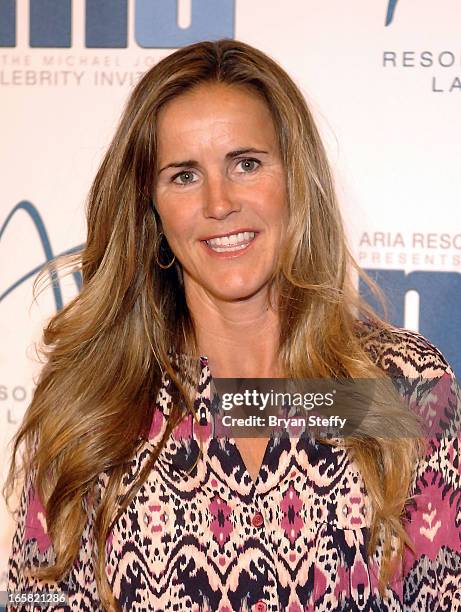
{"type": "Point", "coordinates": [232, 292]}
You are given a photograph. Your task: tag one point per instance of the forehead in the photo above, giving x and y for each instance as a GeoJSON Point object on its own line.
{"type": "Point", "coordinates": [214, 112]}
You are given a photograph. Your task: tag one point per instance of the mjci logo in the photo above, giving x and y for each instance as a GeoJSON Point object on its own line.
{"type": "Point", "coordinates": [106, 23]}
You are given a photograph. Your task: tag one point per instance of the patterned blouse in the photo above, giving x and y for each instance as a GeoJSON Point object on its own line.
{"type": "Point", "coordinates": [211, 539]}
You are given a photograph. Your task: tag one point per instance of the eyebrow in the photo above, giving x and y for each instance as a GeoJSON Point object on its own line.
{"type": "Point", "coordinates": [192, 163]}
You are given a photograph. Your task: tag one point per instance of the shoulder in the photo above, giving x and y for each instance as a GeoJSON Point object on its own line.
{"type": "Point", "coordinates": [420, 373]}
{"type": "Point", "coordinates": [403, 352]}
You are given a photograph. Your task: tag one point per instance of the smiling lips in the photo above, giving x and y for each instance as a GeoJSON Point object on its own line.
{"type": "Point", "coordinates": [230, 243]}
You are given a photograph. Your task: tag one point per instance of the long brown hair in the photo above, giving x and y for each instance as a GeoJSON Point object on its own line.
{"type": "Point", "coordinates": [106, 350]}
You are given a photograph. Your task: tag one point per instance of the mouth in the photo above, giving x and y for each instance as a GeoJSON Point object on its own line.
{"type": "Point", "coordinates": [230, 243]}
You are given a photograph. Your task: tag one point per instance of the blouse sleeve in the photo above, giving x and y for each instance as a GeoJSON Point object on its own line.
{"type": "Point", "coordinates": [432, 576]}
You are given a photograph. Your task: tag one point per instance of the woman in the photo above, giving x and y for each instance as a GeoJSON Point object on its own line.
{"type": "Point", "coordinates": [215, 248]}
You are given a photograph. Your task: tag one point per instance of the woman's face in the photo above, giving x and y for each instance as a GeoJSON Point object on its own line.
{"type": "Point", "coordinates": [221, 190]}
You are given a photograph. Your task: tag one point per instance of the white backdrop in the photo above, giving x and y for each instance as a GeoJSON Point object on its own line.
{"type": "Point", "coordinates": [386, 98]}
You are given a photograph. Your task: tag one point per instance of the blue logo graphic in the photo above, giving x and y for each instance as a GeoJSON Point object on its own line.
{"type": "Point", "coordinates": [37, 220]}
{"type": "Point", "coordinates": [106, 23]}
{"type": "Point", "coordinates": [439, 312]}
{"type": "Point", "coordinates": [390, 11]}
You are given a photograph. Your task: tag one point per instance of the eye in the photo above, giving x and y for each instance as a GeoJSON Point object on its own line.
{"type": "Point", "coordinates": [185, 177]}
{"type": "Point", "coordinates": [249, 164]}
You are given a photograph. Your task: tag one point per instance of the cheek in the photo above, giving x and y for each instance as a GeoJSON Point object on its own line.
{"type": "Point", "coordinates": [180, 236]}
{"type": "Point", "coordinates": [176, 221]}
{"type": "Point", "coordinates": [274, 207]}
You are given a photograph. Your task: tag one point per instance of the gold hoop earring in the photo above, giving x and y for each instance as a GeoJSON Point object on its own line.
{"type": "Point", "coordinates": [163, 266]}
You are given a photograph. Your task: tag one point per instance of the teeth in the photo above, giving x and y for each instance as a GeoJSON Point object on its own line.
{"type": "Point", "coordinates": [234, 242]}
{"type": "Point", "coordinates": [229, 249]}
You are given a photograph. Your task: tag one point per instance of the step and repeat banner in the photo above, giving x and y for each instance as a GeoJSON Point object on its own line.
{"type": "Point", "coordinates": [382, 78]}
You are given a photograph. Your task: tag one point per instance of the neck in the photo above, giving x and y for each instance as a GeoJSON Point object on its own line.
{"type": "Point", "coordinates": [239, 338]}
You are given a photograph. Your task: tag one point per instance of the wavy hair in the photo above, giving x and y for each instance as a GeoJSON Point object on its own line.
{"type": "Point", "coordinates": [105, 352]}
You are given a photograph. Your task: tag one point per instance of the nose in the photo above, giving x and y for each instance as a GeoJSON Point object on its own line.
{"type": "Point", "coordinates": [220, 197]}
